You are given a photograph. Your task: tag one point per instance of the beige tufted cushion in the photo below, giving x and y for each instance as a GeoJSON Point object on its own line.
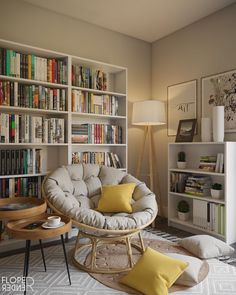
{"type": "Point", "coordinates": [75, 191]}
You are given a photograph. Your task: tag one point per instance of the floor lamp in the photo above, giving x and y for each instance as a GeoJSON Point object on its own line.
{"type": "Point", "coordinates": [149, 113]}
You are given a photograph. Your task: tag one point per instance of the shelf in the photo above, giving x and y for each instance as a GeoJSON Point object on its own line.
{"type": "Point", "coordinates": [196, 171]}
{"type": "Point", "coordinates": [197, 143]}
{"type": "Point", "coordinates": [32, 110]}
{"type": "Point", "coordinates": [24, 175]}
{"type": "Point", "coordinates": [98, 91]}
{"type": "Point", "coordinates": [35, 82]}
{"type": "Point", "coordinates": [113, 69]}
{"type": "Point", "coordinates": [98, 115]}
{"type": "Point", "coordinates": [190, 224]}
{"type": "Point", "coordinates": [33, 144]}
{"type": "Point", "coordinates": [207, 199]}
{"type": "Point", "coordinates": [98, 144]}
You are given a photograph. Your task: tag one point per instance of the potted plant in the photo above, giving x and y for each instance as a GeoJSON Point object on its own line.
{"type": "Point", "coordinates": [216, 190]}
{"type": "Point", "coordinates": [183, 210]}
{"type": "Point", "coordinates": [181, 164]}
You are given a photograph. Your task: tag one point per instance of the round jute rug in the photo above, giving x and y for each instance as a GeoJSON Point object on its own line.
{"type": "Point", "coordinates": [115, 256]}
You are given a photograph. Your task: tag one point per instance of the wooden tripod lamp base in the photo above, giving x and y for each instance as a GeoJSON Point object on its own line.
{"type": "Point", "coordinates": [148, 113]}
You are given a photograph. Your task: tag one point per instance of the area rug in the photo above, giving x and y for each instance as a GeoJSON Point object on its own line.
{"type": "Point", "coordinates": [115, 257]}
{"type": "Point", "coordinates": [221, 279]}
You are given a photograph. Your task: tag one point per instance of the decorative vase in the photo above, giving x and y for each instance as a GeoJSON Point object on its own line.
{"type": "Point", "coordinates": [183, 216]}
{"type": "Point", "coordinates": [206, 130]}
{"type": "Point", "coordinates": [218, 123]}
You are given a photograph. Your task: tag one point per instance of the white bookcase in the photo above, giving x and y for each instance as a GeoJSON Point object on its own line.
{"type": "Point", "coordinates": [57, 154]}
{"type": "Point", "coordinates": [193, 151]}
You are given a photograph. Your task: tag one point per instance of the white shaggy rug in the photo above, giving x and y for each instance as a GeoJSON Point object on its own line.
{"type": "Point", "coordinates": [220, 281]}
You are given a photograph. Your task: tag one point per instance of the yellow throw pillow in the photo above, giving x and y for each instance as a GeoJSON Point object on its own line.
{"type": "Point", "coordinates": [154, 273]}
{"type": "Point", "coordinates": [116, 198]}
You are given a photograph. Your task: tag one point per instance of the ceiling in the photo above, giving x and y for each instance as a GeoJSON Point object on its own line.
{"type": "Point", "coordinates": [148, 20]}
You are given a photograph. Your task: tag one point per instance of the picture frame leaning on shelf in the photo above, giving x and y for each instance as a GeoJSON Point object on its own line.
{"type": "Point", "coordinates": [186, 130]}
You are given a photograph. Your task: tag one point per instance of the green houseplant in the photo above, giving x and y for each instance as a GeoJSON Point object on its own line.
{"type": "Point", "coordinates": [216, 190]}
{"type": "Point", "coordinates": [183, 210]}
{"type": "Point", "coordinates": [181, 163]}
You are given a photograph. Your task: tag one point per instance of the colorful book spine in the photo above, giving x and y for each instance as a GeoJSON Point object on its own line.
{"type": "Point", "coordinates": [96, 133]}
{"type": "Point", "coordinates": [32, 96]}
{"type": "Point", "coordinates": [16, 128]}
{"type": "Point", "coordinates": [29, 66]}
{"type": "Point", "coordinates": [21, 161]}
{"type": "Point", "coordinates": [109, 159]}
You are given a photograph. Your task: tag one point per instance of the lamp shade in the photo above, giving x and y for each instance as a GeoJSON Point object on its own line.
{"type": "Point", "coordinates": [149, 112]}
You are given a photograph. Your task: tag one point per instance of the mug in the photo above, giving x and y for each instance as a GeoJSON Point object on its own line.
{"type": "Point", "coordinates": [54, 220]}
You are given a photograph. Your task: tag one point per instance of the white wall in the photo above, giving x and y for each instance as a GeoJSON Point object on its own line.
{"type": "Point", "coordinates": [25, 23]}
{"type": "Point", "coordinates": [203, 48]}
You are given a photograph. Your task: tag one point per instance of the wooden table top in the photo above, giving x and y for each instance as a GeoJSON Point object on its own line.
{"type": "Point", "coordinates": [18, 231]}
{"type": "Point", "coordinates": [36, 207]}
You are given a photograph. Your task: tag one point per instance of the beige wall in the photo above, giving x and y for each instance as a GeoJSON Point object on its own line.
{"type": "Point", "coordinates": [203, 48]}
{"type": "Point", "coordinates": [25, 23]}
{"type": "Point", "coordinates": [206, 47]}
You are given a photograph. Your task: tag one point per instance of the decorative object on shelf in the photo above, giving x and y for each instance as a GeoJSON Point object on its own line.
{"type": "Point", "coordinates": [217, 191]}
{"type": "Point", "coordinates": [218, 123]}
{"type": "Point", "coordinates": [182, 100]}
{"type": "Point", "coordinates": [149, 113]}
{"type": "Point", "coordinates": [186, 130]}
{"type": "Point", "coordinates": [220, 90]}
{"type": "Point", "coordinates": [206, 131]}
{"type": "Point", "coordinates": [183, 210]}
{"type": "Point", "coordinates": [181, 163]}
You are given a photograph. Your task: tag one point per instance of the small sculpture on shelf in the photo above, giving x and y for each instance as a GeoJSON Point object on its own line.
{"type": "Point", "coordinates": [181, 163]}
{"type": "Point", "coordinates": [216, 191]}
{"type": "Point", "coordinates": [183, 210]}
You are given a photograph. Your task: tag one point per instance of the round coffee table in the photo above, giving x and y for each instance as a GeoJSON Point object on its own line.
{"type": "Point", "coordinates": [31, 229]}
{"type": "Point", "coordinates": [21, 207]}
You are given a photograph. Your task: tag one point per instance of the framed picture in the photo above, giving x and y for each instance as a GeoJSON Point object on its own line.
{"type": "Point", "coordinates": [186, 130]}
{"type": "Point", "coordinates": [181, 104]}
{"type": "Point", "coordinates": [220, 89]}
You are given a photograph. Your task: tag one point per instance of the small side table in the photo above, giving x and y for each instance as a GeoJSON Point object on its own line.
{"type": "Point", "coordinates": [18, 231]}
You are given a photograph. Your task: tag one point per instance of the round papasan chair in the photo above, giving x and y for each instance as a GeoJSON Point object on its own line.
{"type": "Point", "coordinates": [74, 191]}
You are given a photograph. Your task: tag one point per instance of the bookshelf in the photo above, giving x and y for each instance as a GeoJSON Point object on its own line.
{"type": "Point", "coordinates": [217, 216]}
{"type": "Point", "coordinates": [46, 73]}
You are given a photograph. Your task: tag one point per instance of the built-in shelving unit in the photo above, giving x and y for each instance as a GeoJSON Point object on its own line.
{"type": "Point", "coordinates": [217, 216]}
{"type": "Point", "coordinates": [55, 154]}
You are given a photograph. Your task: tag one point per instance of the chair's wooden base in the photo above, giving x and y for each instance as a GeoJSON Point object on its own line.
{"type": "Point", "coordinates": [99, 241]}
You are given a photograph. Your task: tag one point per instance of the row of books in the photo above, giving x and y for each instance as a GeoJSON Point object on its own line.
{"type": "Point", "coordinates": [198, 185]}
{"type": "Point", "coordinates": [30, 66]}
{"type": "Point", "coordinates": [21, 161]}
{"type": "Point", "coordinates": [96, 133]}
{"type": "Point", "coordinates": [209, 216]}
{"type": "Point", "coordinates": [212, 163]}
{"type": "Point", "coordinates": [177, 182]}
{"type": "Point", "coordinates": [30, 129]}
{"type": "Point", "coordinates": [22, 186]}
{"type": "Point", "coordinates": [32, 96]}
{"type": "Point", "coordinates": [86, 102]}
{"type": "Point", "coordinates": [101, 158]}
{"type": "Point", "coordinates": [88, 78]}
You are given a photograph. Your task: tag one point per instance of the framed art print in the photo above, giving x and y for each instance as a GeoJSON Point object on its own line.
{"type": "Point", "coordinates": [220, 89]}
{"type": "Point", "coordinates": [186, 129]}
{"type": "Point", "coordinates": [181, 104]}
